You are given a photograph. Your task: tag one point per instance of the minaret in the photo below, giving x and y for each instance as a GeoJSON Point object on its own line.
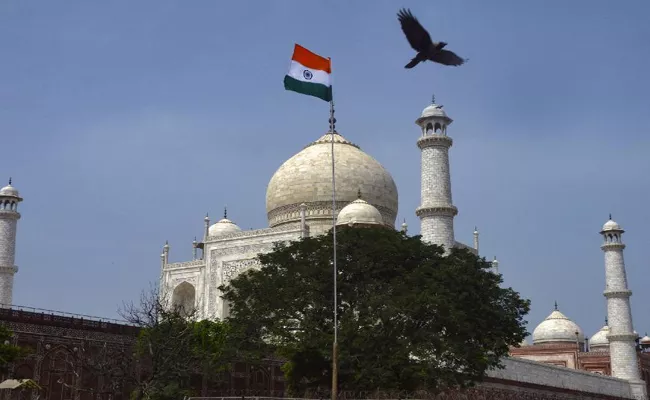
{"type": "Point", "coordinates": [476, 240]}
{"type": "Point", "coordinates": [436, 211]}
{"type": "Point", "coordinates": [9, 216]}
{"type": "Point", "coordinates": [622, 345]}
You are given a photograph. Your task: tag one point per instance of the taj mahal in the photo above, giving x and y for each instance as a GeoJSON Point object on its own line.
{"type": "Point", "coordinates": [299, 204]}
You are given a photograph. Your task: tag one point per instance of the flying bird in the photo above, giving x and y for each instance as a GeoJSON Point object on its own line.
{"type": "Point", "coordinates": [421, 42]}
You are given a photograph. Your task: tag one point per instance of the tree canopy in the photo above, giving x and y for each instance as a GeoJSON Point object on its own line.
{"type": "Point", "coordinates": [409, 317]}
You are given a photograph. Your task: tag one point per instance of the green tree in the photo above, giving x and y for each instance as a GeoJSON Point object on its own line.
{"type": "Point", "coordinates": [9, 353]}
{"type": "Point", "coordinates": [409, 317]}
{"type": "Point", "coordinates": [172, 347]}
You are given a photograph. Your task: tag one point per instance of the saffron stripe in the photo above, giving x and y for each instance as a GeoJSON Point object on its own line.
{"type": "Point", "coordinates": [311, 60]}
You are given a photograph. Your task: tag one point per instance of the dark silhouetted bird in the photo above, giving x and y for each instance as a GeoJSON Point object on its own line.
{"type": "Point", "coordinates": [421, 42]}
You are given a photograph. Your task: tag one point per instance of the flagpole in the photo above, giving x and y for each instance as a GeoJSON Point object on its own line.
{"type": "Point", "coordinates": [335, 347]}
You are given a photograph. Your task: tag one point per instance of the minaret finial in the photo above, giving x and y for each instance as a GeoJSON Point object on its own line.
{"type": "Point", "coordinates": [606, 321]}
{"type": "Point", "coordinates": [556, 306]}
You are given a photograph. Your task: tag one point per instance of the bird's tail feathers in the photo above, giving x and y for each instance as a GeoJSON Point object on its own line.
{"type": "Point", "coordinates": [415, 61]}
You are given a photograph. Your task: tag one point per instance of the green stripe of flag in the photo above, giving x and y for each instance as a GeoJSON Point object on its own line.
{"type": "Point", "coordinates": [311, 89]}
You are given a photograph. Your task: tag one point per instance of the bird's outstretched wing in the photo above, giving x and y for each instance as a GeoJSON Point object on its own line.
{"type": "Point", "coordinates": [447, 57]}
{"type": "Point", "coordinates": [417, 36]}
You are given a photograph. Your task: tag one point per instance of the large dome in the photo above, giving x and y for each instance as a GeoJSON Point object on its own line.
{"type": "Point", "coordinates": [307, 178]}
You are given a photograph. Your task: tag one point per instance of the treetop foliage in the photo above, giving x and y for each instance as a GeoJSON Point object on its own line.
{"type": "Point", "coordinates": [409, 316]}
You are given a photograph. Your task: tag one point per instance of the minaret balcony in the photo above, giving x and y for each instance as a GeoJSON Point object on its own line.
{"type": "Point", "coordinates": [434, 140]}
{"type": "Point", "coordinates": [8, 270]}
{"type": "Point", "coordinates": [434, 211]}
{"type": "Point", "coordinates": [621, 293]}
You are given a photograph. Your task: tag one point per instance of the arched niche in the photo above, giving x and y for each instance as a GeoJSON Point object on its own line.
{"type": "Point", "coordinates": [184, 298]}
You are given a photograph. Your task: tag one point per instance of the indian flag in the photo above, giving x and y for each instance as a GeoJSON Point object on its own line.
{"type": "Point", "coordinates": [309, 74]}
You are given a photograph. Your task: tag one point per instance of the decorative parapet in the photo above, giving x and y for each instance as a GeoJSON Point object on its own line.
{"type": "Point", "coordinates": [37, 316]}
{"type": "Point", "coordinates": [289, 214]}
{"type": "Point", "coordinates": [256, 233]}
{"type": "Point", "coordinates": [185, 264]}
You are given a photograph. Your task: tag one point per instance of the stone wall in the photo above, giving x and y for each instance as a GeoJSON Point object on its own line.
{"type": "Point", "coordinates": [530, 372]}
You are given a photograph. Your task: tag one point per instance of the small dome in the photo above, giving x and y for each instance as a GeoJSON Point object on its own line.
{"type": "Point", "coordinates": [434, 110]}
{"type": "Point", "coordinates": [599, 341]}
{"type": "Point", "coordinates": [223, 227]}
{"type": "Point", "coordinates": [523, 343]}
{"type": "Point", "coordinates": [611, 226]}
{"type": "Point", "coordinates": [9, 191]}
{"type": "Point", "coordinates": [645, 339]}
{"type": "Point", "coordinates": [359, 212]}
{"type": "Point", "coordinates": [557, 328]}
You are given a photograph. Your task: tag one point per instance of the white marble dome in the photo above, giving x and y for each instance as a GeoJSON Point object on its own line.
{"type": "Point", "coordinates": [434, 110]}
{"type": "Point", "coordinates": [645, 339]}
{"type": "Point", "coordinates": [599, 341]}
{"type": "Point", "coordinates": [307, 178]}
{"type": "Point", "coordinates": [557, 328]}
{"type": "Point", "coordinates": [223, 227]}
{"type": "Point", "coordinates": [9, 191]}
{"type": "Point", "coordinates": [611, 226]}
{"type": "Point", "coordinates": [359, 212]}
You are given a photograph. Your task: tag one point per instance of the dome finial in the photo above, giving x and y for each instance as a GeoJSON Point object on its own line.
{"type": "Point", "coordinates": [556, 306]}
{"type": "Point", "coordinates": [606, 321]}
{"type": "Point", "coordinates": [9, 180]}
{"type": "Point", "coordinates": [225, 212]}
{"type": "Point", "coordinates": [359, 193]}
{"type": "Point", "coordinates": [610, 216]}
{"type": "Point", "coordinates": [433, 99]}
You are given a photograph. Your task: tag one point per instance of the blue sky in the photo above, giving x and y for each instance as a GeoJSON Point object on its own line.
{"type": "Point", "coordinates": [123, 123]}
